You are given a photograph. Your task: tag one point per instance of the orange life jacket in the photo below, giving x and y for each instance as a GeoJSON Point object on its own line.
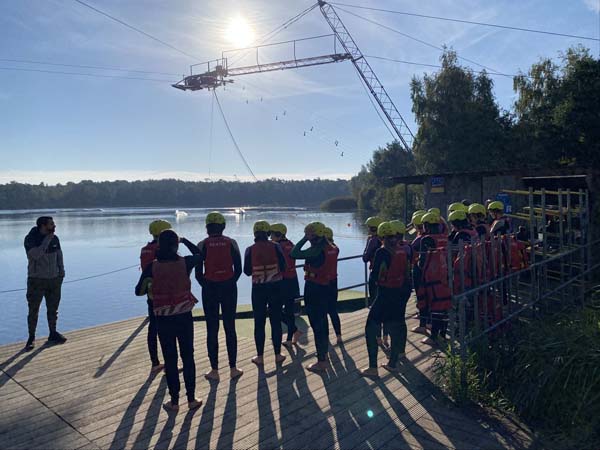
{"type": "Point", "coordinates": [290, 270]}
{"type": "Point", "coordinates": [148, 254]}
{"type": "Point", "coordinates": [265, 263]}
{"type": "Point", "coordinates": [519, 257]}
{"type": "Point", "coordinates": [435, 275]}
{"type": "Point", "coordinates": [471, 254]}
{"type": "Point", "coordinates": [327, 272]}
{"type": "Point", "coordinates": [396, 275]}
{"type": "Point", "coordinates": [218, 264]}
{"type": "Point", "coordinates": [171, 288]}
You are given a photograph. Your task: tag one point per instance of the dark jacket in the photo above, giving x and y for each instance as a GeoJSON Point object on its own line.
{"type": "Point", "coordinates": [44, 255]}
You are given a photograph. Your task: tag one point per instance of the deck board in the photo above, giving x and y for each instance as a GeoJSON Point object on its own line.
{"type": "Point", "coordinates": [95, 392]}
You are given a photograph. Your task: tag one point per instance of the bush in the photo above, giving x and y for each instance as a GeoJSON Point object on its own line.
{"type": "Point", "coordinates": [339, 204]}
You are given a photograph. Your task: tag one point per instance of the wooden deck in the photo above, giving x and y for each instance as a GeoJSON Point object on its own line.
{"type": "Point", "coordinates": [94, 392]}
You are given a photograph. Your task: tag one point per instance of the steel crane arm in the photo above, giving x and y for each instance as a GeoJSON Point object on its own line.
{"type": "Point", "coordinates": [368, 75]}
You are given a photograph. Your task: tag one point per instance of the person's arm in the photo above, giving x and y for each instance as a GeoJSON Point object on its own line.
{"type": "Point", "coordinates": [372, 245]}
{"type": "Point", "coordinates": [36, 252]}
{"type": "Point", "coordinates": [145, 278]}
{"type": "Point", "coordinates": [194, 250]}
{"type": "Point", "coordinates": [192, 261]}
{"type": "Point", "coordinates": [280, 258]}
{"type": "Point", "coordinates": [60, 263]}
{"type": "Point", "coordinates": [248, 262]}
{"type": "Point", "coordinates": [199, 271]}
{"type": "Point", "coordinates": [380, 263]}
{"type": "Point", "coordinates": [237, 260]}
{"type": "Point", "coordinates": [312, 252]}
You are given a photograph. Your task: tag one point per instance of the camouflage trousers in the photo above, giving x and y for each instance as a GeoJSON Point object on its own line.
{"type": "Point", "coordinates": [37, 289]}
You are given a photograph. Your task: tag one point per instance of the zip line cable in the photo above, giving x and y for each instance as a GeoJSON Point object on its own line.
{"type": "Point", "coordinates": [210, 136]}
{"type": "Point", "coordinates": [385, 123]}
{"type": "Point", "coordinates": [232, 137]}
{"type": "Point", "coordinates": [484, 24]}
{"type": "Point", "coordinates": [81, 2]}
{"type": "Point", "coordinates": [428, 44]}
{"type": "Point", "coordinates": [122, 269]}
{"type": "Point", "coordinates": [95, 75]}
{"type": "Point", "coordinates": [79, 66]}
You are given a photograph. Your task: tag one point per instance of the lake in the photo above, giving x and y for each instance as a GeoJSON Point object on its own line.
{"type": "Point", "coordinates": [97, 241]}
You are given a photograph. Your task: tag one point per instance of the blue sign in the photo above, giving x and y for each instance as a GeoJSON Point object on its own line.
{"type": "Point", "coordinates": [505, 198]}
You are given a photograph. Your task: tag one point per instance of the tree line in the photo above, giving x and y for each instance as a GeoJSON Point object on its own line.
{"type": "Point", "coordinates": [90, 194]}
{"type": "Point", "coordinates": [554, 122]}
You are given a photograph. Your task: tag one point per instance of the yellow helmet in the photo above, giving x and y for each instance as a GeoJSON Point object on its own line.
{"type": "Point", "coordinates": [496, 206]}
{"type": "Point", "coordinates": [279, 228]}
{"type": "Point", "coordinates": [457, 206]}
{"type": "Point", "coordinates": [417, 219]}
{"type": "Point", "coordinates": [315, 227]}
{"type": "Point", "coordinates": [158, 226]}
{"type": "Point", "coordinates": [430, 218]}
{"type": "Point", "coordinates": [373, 222]}
{"type": "Point", "coordinates": [418, 212]}
{"type": "Point", "coordinates": [435, 211]}
{"type": "Point", "coordinates": [399, 226]}
{"type": "Point", "coordinates": [215, 217]}
{"type": "Point", "coordinates": [476, 208]}
{"type": "Point", "coordinates": [261, 225]}
{"type": "Point", "coordinates": [386, 229]}
{"type": "Point", "coordinates": [329, 233]}
{"type": "Point", "coordinates": [457, 215]}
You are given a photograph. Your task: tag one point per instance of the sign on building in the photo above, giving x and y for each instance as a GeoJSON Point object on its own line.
{"type": "Point", "coordinates": [437, 185]}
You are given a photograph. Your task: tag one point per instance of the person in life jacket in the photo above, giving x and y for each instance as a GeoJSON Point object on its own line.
{"type": "Point", "coordinates": [167, 282]}
{"type": "Point", "coordinates": [333, 286]}
{"type": "Point", "coordinates": [477, 218]}
{"type": "Point", "coordinates": [218, 273]}
{"type": "Point", "coordinates": [373, 243]}
{"type": "Point", "coordinates": [464, 275]}
{"type": "Point", "coordinates": [265, 263]}
{"type": "Point", "coordinates": [289, 285]}
{"type": "Point", "coordinates": [456, 206]}
{"type": "Point", "coordinates": [423, 314]}
{"type": "Point", "coordinates": [391, 271]}
{"type": "Point", "coordinates": [500, 222]}
{"type": "Point", "coordinates": [413, 227]}
{"type": "Point", "coordinates": [318, 269]}
{"type": "Point", "coordinates": [444, 229]}
{"type": "Point", "coordinates": [430, 277]}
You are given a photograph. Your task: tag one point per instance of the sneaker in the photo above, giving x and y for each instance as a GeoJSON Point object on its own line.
{"type": "Point", "coordinates": [56, 338]}
{"type": "Point", "coordinates": [30, 344]}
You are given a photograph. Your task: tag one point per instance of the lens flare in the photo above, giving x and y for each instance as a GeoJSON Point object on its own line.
{"type": "Point", "coordinates": [370, 414]}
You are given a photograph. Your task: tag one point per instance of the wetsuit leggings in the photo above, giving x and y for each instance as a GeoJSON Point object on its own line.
{"type": "Point", "coordinates": [267, 295]}
{"type": "Point", "coordinates": [289, 293]}
{"type": "Point", "coordinates": [439, 324]}
{"type": "Point", "coordinates": [173, 331]}
{"type": "Point", "coordinates": [389, 308]}
{"type": "Point", "coordinates": [332, 307]}
{"type": "Point", "coordinates": [315, 300]}
{"type": "Point", "coordinates": [224, 295]}
{"type": "Point", "coordinates": [373, 288]}
{"type": "Point", "coordinates": [152, 336]}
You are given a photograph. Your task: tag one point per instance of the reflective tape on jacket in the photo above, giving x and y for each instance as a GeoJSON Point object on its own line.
{"type": "Point", "coordinates": [171, 288]}
{"type": "Point", "coordinates": [327, 272]}
{"type": "Point", "coordinates": [265, 263]}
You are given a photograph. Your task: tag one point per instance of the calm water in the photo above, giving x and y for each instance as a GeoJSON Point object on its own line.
{"type": "Point", "coordinates": [99, 241]}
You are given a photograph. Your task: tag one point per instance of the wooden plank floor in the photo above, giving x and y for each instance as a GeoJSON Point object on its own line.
{"type": "Point", "coordinates": [95, 392]}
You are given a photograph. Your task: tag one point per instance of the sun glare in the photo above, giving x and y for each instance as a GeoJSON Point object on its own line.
{"type": "Point", "coordinates": [239, 32]}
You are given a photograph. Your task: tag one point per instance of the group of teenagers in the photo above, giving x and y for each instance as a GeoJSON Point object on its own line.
{"type": "Point", "coordinates": [396, 266]}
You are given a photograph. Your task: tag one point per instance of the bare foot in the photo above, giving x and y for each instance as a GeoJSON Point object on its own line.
{"type": "Point", "coordinates": [318, 367]}
{"type": "Point", "coordinates": [419, 330]}
{"type": "Point", "coordinates": [195, 404]}
{"type": "Point", "coordinates": [339, 339]}
{"type": "Point", "coordinates": [296, 336]}
{"type": "Point", "coordinates": [390, 368]}
{"type": "Point", "coordinates": [279, 359]}
{"type": "Point", "coordinates": [258, 360]}
{"type": "Point", "coordinates": [157, 368]}
{"type": "Point", "coordinates": [213, 375]}
{"type": "Point", "coordinates": [170, 407]}
{"type": "Point", "coordinates": [371, 372]}
{"type": "Point", "coordinates": [234, 373]}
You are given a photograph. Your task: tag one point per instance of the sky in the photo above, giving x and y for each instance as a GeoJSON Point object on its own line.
{"type": "Point", "coordinates": [56, 128]}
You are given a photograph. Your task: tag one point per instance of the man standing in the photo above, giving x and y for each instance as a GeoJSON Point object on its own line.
{"type": "Point", "coordinates": [45, 274]}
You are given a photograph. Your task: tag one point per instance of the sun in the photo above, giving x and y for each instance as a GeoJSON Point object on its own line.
{"type": "Point", "coordinates": [239, 32]}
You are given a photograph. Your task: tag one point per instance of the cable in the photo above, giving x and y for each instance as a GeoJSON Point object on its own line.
{"type": "Point", "coordinates": [231, 135]}
{"type": "Point", "coordinates": [437, 66]}
{"type": "Point", "coordinates": [137, 30]}
{"type": "Point", "coordinates": [428, 44]}
{"type": "Point", "coordinates": [210, 136]}
{"type": "Point", "coordinates": [362, 83]}
{"type": "Point", "coordinates": [96, 75]}
{"type": "Point", "coordinates": [507, 27]}
{"type": "Point", "coordinates": [80, 279]}
{"type": "Point", "coordinates": [44, 63]}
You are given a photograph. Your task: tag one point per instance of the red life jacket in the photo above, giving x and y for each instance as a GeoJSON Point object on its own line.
{"type": "Point", "coordinates": [471, 251]}
{"type": "Point", "coordinates": [397, 273]}
{"type": "Point", "coordinates": [290, 270]}
{"type": "Point", "coordinates": [218, 263]}
{"type": "Point", "coordinates": [148, 254]}
{"type": "Point", "coordinates": [435, 275]}
{"type": "Point", "coordinates": [519, 257]}
{"type": "Point", "coordinates": [171, 288]}
{"type": "Point", "coordinates": [265, 263]}
{"type": "Point", "coordinates": [327, 272]}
